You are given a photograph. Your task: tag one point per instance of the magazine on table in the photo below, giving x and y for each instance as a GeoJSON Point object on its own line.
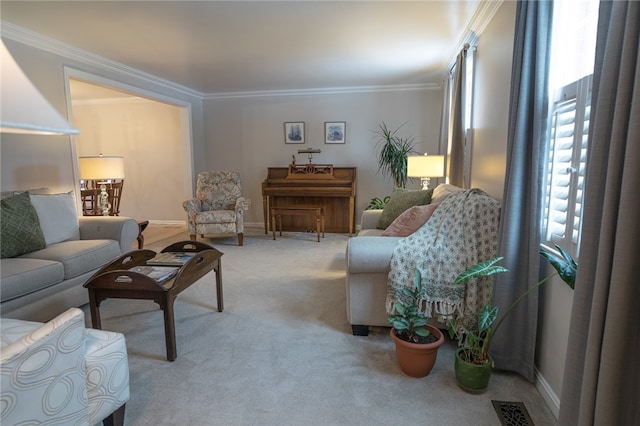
{"type": "Point", "coordinates": [173, 258]}
{"type": "Point", "coordinates": [158, 273]}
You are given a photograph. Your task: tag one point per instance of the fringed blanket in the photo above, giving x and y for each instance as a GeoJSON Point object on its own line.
{"type": "Point", "coordinates": [462, 231]}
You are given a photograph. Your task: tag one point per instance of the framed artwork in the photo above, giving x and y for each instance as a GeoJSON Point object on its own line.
{"type": "Point", "coordinates": [335, 131]}
{"type": "Point", "coordinates": [294, 132]}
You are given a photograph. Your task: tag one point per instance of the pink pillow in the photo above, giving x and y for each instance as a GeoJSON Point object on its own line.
{"type": "Point", "coordinates": [410, 221]}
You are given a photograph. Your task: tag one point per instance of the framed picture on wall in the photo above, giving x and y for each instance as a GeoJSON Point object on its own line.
{"type": "Point", "coordinates": [335, 131]}
{"type": "Point", "coordinates": [294, 132]}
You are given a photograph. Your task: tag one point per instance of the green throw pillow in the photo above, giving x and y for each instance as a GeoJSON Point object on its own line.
{"type": "Point", "coordinates": [401, 200]}
{"type": "Point", "coordinates": [20, 231]}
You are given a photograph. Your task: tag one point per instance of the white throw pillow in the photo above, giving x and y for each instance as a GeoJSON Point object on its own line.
{"type": "Point", "coordinates": [58, 216]}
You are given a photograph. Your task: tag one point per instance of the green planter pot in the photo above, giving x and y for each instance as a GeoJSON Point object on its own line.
{"type": "Point", "coordinates": [472, 378]}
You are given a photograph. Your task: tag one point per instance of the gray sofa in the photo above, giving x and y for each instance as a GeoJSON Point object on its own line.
{"type": "Point", "coordinates": [41, 284]}
{"type": "Point", "coordinates": [368, 258]}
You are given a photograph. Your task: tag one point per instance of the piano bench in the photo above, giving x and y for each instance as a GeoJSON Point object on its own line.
{"type": "Point", "coordinates": [311, 211]}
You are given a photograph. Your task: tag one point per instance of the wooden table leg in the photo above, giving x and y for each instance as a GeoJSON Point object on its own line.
{"type": "Point", "coordinates": [273, 223]}
{"type": "Point", "coordinates": [280, 223]}
{"type": "Point", "coordinates": [95, 310]}
{"type": "Point", "coordinates": [318, 223]}
{"type": "Point", "coordinates": [218, 271]}
{"type": "Point", "coordinates": [169, 328]}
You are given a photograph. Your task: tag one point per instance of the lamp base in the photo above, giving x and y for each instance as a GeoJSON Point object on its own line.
{"type": "Point", "coordinates": [425, 182]}
{"type": "Point", "coordinates": [105, 206]}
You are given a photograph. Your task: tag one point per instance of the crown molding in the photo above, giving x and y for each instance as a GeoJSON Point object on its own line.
{"type": "Point", "coordinates": [33, 39]}
{"type": "Point", "coordinates": [322, 91]}
{"type": "Point", "coordinates": [484, 13]}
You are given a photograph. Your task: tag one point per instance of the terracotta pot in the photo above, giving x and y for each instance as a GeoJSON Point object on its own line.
{"type": "Point", "coordinates": [472, 378]}
{"type": "Point", "coordinates": [417, 360]}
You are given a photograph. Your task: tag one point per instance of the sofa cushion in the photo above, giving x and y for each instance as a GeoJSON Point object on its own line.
{"type": "Point", "coordinates": [19, 226]}
{"type": "Point", "coordinates": [410, 221]}
{"type": "Point", "coordinates": [58, 216]}
{"type": "Point", "coordinates": [79, 256]}
{"type": "Point", "coordinates": [442, 191]}
{"type": "Point", "coordinates": [22, 276]}
{"type": "Point", "coordinates": [401, 200]}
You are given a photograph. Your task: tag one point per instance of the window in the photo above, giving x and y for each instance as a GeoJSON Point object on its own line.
{"type": "Point", "coordinates": [566, 165]}
{"type": "Point", "coordinates": [572, 57]}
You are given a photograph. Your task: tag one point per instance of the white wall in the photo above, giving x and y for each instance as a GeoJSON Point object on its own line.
{"type": "Point", "coordinates": [147, 134]}
{"type": "Point", "coordinates": [491, 113]}
{"type": "Point", "coordinates": [247, 135]}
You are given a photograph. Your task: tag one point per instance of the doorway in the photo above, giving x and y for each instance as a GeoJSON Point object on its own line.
{"type": "Point", "coordinates": [152, 136]}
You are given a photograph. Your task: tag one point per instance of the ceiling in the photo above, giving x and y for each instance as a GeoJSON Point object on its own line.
{"type": "Point", "coordinates": [217, 47]}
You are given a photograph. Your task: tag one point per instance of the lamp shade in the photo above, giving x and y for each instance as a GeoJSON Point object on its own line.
{"type": "Point", "coordinates": [101, 167]}
{"type": "Point", "coordinates": [425, 166]}
{"type": "Point", "coordinates": [23, 108]}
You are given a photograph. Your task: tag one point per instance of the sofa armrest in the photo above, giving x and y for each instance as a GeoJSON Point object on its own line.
{"type": "Point", "coordinates": [369, 219]}
{"type": "Point", "coordinates": [370, 254]}
{"type": "Point", "coordinates": [122, 229]}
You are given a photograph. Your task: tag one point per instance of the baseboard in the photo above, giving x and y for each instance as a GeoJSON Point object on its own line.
{"type": "Point", "coordinates": [168, 222]}
{"type": "Point", "coordinates": [549, 396]}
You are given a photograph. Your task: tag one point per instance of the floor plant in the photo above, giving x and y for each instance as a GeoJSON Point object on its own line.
{"type": "Point", "coordinates": [417, 342]}
{"type": "Point", "coordinates": [474, 343]}
{"type": "Point", "coordinates": [392, 157]}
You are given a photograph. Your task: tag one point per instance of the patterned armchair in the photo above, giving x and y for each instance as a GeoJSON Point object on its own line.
{"type": "Point", "coordinates": [218, 207]}
{"type": "Point", "coordinates": [61, 372]}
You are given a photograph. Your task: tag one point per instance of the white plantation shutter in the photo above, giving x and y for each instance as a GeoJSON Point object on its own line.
{"type": "Point", "coordinates": [566, 164]}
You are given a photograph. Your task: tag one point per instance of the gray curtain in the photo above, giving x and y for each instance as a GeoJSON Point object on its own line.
{"type": "Point", "coordinates": [456, 153]}
{"type": "Point", "coordinates": [602, 373]}
{"type": "Point", "coordinates": [513, 347]}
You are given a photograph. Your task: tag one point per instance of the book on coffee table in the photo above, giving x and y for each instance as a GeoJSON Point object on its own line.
{"type": "Point", "coordinates": [172, 258]}
{"type": "Point", "coordinates": [158, 273]}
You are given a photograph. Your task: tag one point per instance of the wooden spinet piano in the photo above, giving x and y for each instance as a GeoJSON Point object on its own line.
{"type": "Point", "coordinates": [333, 188]}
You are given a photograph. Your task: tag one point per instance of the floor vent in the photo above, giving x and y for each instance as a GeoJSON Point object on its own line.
{"type": "Point", "coordinates": [512, 413]}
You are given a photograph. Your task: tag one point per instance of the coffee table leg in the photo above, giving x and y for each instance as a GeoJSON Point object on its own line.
{"type": "Point", "coordinates": [170, 329]}
{"type": "Point", "coordinates": [95, 310]}
{"type": "Point", "coordinates": [218, 271]}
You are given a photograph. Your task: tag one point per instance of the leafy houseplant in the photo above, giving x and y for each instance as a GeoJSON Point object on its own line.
{"type": "Point", "coordinates": [474, 344]}
{"type": "Point", "coordinates": [378, 203]}
{"type": "Point", "coordinates": [392, 158]}
{"type": "Point", "coordinates": [417, 342]}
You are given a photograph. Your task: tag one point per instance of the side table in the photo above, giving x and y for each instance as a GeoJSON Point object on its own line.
{"type": "Point", "coordinates": [115, 281]}
{"type": "Point", "coordinates": [142, 225]}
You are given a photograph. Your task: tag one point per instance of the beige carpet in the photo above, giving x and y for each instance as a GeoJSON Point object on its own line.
{"type": "Point", "coordinates": [282, 353]}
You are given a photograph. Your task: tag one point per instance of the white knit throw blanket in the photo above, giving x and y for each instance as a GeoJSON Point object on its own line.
{"type": "Point", "coordinates": [462, 231]}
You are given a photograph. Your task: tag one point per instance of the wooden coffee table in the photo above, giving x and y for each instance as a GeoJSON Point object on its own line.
{"type": "Point", "coordinates": [116, 281]}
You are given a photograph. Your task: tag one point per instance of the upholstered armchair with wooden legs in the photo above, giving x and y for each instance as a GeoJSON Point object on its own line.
{"type": "Point", "coordinates": [62, 373]}
{"type": "Point", "coordinates": [218, 207]}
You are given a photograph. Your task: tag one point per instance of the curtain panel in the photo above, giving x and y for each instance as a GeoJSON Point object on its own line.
{"type": "Point", "coordinates": [513, 348]}
{"type": "Point", "coordinates": [601, 377]}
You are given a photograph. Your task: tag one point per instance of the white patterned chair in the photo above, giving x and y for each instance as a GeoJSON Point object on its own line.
{"type": "Point", "coordinates": [218, 207]}
{"type": "Point", "coordinates": [60, 372]}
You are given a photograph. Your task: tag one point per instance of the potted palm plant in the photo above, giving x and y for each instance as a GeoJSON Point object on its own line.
{"type": "Point", "coordinates": [473, 363]}
{"type": "Point", "coordinates": [392, 157]}
{"type": "Point", "coordinates": [416, 342]}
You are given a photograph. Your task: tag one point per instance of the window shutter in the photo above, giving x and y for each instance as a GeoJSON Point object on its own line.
{"type": "Point", "coordinates": [566, 166]}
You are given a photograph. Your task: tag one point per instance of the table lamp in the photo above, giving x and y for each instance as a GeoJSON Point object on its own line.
{"type": "Point", "coordinates": [103, 170]}
{"type": "Point", "coordinates": [425, 167]}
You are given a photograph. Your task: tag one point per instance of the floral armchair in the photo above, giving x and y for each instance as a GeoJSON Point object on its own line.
{"type": "Point", "coordinates": [218, 207]}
